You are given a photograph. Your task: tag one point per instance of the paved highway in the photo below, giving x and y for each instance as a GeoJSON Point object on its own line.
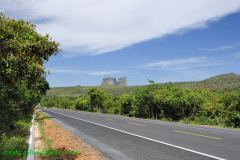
{"type": "Point", "coordinates": [124, 138]}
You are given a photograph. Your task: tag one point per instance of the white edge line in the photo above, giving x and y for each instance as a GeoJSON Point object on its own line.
{"type": "Point", "coordinates": [161, 122]}
{"type": "Point", "coordinates": [31, 142]}
{"type": "Point", "coordinates": [150, 139]}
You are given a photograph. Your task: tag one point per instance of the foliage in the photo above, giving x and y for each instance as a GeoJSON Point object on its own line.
{"type": "Point", "coordinates": [225, 82]}
{"type": "Point", "coordinates": [78, 90]}
{"type": "Point", "coordinates": [231, 104]}
{"type": "Point", "coordinates": [23, 53]}
{"type": "Point", "coordinates": [16, 144]}
{"type": "Point", "coordinates": [22, 75]}
{"type": "Point", "coordinates": [81, 103]}
{"type": "Point", "coordinates": [96, 99]}
{"type": "Point", "coordinates": [124, 102]}
{"type": "Point", "coordinates": [162, 102]}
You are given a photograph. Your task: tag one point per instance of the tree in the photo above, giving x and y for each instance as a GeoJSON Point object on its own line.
{"type": "Point", "coordinates": [231, 101]}
{"type": "Point", "coordinates": [23, 52]}
{"type": "Point", "coordinates": [176, 103]}
{"type": "Point", "coordinates": [96, 98]}
{"type": "Point", "coordinates": [82, 103]}
{"type": "Point", "coordinates": [111, 105]}
{"type": "Point", "coordinates": [144, 104]}
{"type": "Point", "coordinates": [125, 104]}
{"type": "Point", "coordinates": [193, 102]}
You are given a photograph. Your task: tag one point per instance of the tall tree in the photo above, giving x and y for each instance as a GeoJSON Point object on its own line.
{"type": "Point", "coordinates": [23, 52]}
{"type": "Point", "coordinates": [97, 98]}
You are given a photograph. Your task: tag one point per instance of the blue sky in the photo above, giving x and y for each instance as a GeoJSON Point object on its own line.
{"type": "Point", "coordinates": [161, 51]}
{"type": "Point", "coordinates": [208, 51]}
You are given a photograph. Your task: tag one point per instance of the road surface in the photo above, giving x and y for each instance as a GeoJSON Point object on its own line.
{"type": "Point", "coordinates": [124, 138]}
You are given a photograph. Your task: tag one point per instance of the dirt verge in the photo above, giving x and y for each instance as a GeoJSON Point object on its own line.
{"type": "Point", "coordinates": [54, 142]}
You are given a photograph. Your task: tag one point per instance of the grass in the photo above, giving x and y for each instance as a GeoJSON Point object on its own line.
{"type": "Point", "coordinates": [40, 118]}
{"type": "Point", "coordinates": [78, 90]}
{"type": "Point", "coordinates": [48, 151]}
{"type": "Point", "coordinates": [13, 144]}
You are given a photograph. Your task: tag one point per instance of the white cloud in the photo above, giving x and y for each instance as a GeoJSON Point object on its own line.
{"type": "Point", "coordinates": [221, 48]}
{"type": "Point", "coordinates": [179, 64]}
{"type": "Point", "coordinates": [91, 73]}
{"type": "Point", "coordinates": [103, 73]}
{"type": "Point", "coordinates": [59, 70]}
{"type": "Point", "coordinates": [98, 26]}
{"type": "Point", "coordinates": [190, 63]}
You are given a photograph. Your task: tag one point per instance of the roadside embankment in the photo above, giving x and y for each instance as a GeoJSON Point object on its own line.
{"type": "Point", "coordinates": [54, 142]}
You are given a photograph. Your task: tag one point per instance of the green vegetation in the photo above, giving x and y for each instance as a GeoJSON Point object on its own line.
{"type": "Point", "coordinates": [40, 120]}
{"type": "Point", "coordinates": [77, 90]}
{"type": "Point", "coordinates": [22, 79]}
{"type": "Point", "coordinates": [49, 151]}
{"type": "Point", "coordinates": [160, 101]}
{"type": "Point", "coordinates": [15, 141]}
{"type": "Point", "coordinates": [214, 101]}
{"type": "Point", "coordinates": [225, 82]}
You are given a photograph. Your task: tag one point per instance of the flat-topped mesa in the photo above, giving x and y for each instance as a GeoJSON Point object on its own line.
{"type": "Point", "coordinates": [109, 81]}
{"type": "Point", "coordinates": [122, 81]}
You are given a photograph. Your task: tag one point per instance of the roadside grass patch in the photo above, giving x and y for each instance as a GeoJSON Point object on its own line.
{"type": "Point", "coordinates": [49, 152]}
{"type": "Point", "coordinates": [40, 120]}
{"type": "Point", "coordinates": [14, 143]}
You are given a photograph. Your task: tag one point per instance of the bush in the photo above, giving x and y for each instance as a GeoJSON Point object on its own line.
{"type": "Point", "coordinates": [12, 147]}
{"type": "Point", "coordinates": [164, 102]}
{"type": "Point", "coordinates": [21, 127]}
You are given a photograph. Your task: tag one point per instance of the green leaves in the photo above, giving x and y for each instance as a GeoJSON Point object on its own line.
{"type": "Point", "coordinates": [20, 37]}
{"type": "Point", "coordinates": [125, 104]}
{"type": "Point", "coordinates": [97, 98]}
{"type": "Point", "coordinates": [22, 75]}
{"type": "Point", "coordinates": [162, 102]}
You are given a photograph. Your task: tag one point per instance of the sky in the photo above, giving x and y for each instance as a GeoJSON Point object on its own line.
{"type": "Point", "coordinates": [141, 39]}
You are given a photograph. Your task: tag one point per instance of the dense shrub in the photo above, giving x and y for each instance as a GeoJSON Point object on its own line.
{"type": "Point", "coordinates": [12, 147]}
{"type": "Point", "coordinates": [162, 102]}
{"type": "Point", "coordinates": [23, 53]}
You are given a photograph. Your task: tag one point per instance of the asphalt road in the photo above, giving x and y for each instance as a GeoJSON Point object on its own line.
{"type": "Point", "coordinates": [119, 137]}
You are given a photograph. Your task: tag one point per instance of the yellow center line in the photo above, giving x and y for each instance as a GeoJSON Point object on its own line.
{"type": "Point", "coordinates": [142, 120]}
{"type": "Point", "coordinates": [194, 134]}
{"type": "Point", "coordinates": [143, 125]}
{"type": "Point", "coordinates": [109, 119]}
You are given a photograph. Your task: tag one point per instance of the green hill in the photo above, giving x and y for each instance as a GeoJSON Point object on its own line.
{"type": "Point", "coordinates": [77, 90]}
{"type": "Point", "coordinates": [222, 82]}
{"type": "Point", "coordinates": [228, 81]}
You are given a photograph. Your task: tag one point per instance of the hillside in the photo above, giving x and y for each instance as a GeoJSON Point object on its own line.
{"type": "Point", "coordinates": [229, 81]}
{"type": "Point", "coordinates": [77, 90]}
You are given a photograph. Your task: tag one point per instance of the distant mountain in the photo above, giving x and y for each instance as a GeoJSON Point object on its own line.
{"type": "Point", "coordinates": [230, 81]}
{"type": "Point", "coordinates": [224, 78]}
{"type": "Point", "coordinates": [222, 82]}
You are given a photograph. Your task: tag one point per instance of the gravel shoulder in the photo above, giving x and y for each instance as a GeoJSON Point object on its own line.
{"type": "Point", "coordinates": [54, 142]}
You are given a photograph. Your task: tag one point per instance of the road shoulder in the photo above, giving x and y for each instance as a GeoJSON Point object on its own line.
{"type": "Point", "coordinates": [53, 141]}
